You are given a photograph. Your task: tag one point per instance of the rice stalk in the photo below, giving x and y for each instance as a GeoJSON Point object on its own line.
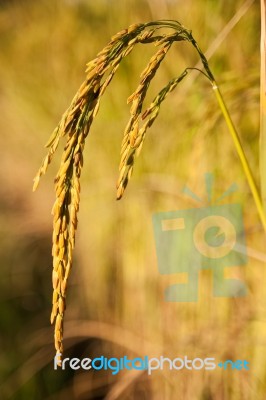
{"type": "Point", "coordinates": [75, 125]}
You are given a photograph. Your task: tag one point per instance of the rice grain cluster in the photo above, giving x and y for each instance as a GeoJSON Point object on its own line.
{"type": "Point", "coordinates": [75, 125]}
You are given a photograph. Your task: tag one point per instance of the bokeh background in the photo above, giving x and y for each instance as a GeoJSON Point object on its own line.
{"type": "Point", "coordinates": [115, 302]}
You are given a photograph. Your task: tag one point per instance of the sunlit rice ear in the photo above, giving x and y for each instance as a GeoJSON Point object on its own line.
{"type": "Point", "coordinates": [75, 126]}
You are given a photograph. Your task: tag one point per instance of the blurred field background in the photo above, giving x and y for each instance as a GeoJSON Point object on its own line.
{"type": "Point", "coordinates": [115, 302]}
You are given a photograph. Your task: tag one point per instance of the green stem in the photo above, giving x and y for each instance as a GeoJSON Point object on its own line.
{"type": "Point", "coordinates": [241, 155]}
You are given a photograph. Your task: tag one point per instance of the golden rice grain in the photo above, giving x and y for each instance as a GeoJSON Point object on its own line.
{"type": "Point", "coordinates": [75, 125]}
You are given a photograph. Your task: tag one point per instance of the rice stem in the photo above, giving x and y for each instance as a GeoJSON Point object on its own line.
{"type": "Point", "coordinates": [241, 154]}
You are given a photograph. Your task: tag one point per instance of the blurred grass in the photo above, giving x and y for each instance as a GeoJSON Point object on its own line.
{"type": "Point", "coordinates": [115, 298]}
{"type": "Point", "coordinates": [263, 100]}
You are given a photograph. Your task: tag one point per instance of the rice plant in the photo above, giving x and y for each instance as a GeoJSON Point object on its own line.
{"type": "Point", "coordinates": [76, 123]}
